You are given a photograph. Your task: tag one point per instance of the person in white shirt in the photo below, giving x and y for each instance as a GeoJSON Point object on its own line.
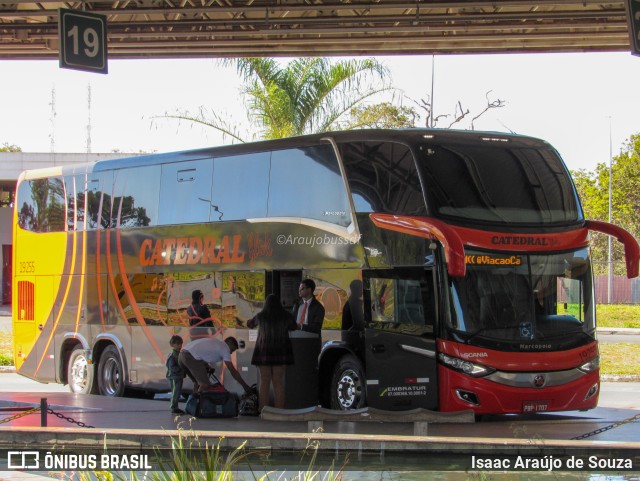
{"type": "Point", "coordinates": [198, 356]}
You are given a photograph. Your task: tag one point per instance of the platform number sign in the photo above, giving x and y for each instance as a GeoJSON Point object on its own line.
{"type": "Point", "coordinates": [83, 40]}
{"type": "Point", "coordinates": [634, 25]}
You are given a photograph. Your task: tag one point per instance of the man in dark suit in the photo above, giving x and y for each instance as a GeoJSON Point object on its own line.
{"type": "Point", "coordinates": [308, 311]}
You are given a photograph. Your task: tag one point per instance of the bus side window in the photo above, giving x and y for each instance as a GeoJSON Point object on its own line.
{"type": "Point", "coordinates": [403, 303]}
{"type": "Point", "coordinates": [382, 302]}
{"type": "Point", "coordinates": [42, 205]}
{"type": "Point", "coordinates": [98, 191]}
{"type": "Point", "coordinates": [136, 197]}
{"type": "Point", "coordinates": [299, 182]}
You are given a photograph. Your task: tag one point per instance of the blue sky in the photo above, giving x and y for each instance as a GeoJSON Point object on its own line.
{"type": "Point", "coordinates": [566, 99]}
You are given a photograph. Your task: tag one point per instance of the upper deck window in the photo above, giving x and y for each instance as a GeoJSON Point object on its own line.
{"type": "Point", "coordinates": [383, 178]}
{"type": "Point", "coordinates": [306, 182]}
{"type": "Point", "coordinates": [240, 187]}
{"type": "Point", "coordinates": [41, 205]}
{"type": "Point", "coordinates": [498, 184]}
{"type": "Point", "coordinates": [135, 201]}
{"type": "Point", "coordinates": [185, 192]}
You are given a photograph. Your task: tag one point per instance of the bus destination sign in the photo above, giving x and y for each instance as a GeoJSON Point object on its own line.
{"type": "Point", "coordinates": [492, 260]}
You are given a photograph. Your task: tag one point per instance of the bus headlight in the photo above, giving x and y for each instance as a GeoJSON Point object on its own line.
{"type": "Point", "coordinates": [590, 366]}
{"type": "Point", "coordinates": [464, 366]}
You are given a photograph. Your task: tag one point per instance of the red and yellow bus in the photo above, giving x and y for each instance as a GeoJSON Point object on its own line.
{"type": "Point", "coordinates": [454, 267]}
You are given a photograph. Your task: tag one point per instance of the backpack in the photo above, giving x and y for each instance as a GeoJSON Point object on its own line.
{"type": "Point", "coordinates": [249, 403]}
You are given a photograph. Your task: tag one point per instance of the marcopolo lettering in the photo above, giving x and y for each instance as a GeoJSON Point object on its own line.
{"type": "Point", "coordinates": [191, 250]}
{"type": "Point", "coordinates": [508, 240]}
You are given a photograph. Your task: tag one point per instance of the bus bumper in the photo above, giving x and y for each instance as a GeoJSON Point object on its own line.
{"type": "Point", "coordinates": [459, 391]}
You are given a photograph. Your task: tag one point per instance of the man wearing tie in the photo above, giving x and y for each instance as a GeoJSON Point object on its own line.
{"type": "Point", "coordinates": [308, 311]}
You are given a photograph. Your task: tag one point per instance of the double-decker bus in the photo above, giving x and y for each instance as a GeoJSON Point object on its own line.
{"type": "Point", "coordinates": [453, 266]}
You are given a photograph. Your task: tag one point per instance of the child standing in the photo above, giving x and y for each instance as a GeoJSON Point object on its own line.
{"type": "Point", "coordinates": [175, 373]}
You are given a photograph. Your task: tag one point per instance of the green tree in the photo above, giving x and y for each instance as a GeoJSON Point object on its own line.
{"type": "Point", "coordinates": [6, 147]}
{"type": "Point", "coordinates": [593, 188]}
{"type": "Point", "coordinates": [304, 96]}
{"type": "Point", "coordinates": [384, 115]}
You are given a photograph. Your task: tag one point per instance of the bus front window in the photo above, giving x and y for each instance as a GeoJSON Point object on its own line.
{"type": "Point", "coordinates": [523, 298]}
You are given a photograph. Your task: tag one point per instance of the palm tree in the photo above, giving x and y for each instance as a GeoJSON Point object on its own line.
{"type": "Point", "coordinates": [305, 96]}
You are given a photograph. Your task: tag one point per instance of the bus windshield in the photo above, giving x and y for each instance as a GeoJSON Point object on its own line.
{"type": "Point", "coordinates": [497, 183]}
{"type": "Point", "coordinates": [523, 298]}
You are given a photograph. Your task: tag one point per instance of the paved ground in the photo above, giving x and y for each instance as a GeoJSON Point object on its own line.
{"type": "Point", "coordinates": [135, 423]}
{"type": "Point", "coordinates": [619, 401]}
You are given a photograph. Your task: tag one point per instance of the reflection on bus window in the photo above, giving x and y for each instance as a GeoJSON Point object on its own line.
{"type": "Point", "coordinates": [135, 204]}
{"type": "Point", "coordinates": [382, 301]}
{"type": "Point", "coordinates": [383, 178]}
{"type": "Point", "coordinates": [299, 182]}
{"type": "Point", "coordinates": [41, 205]}
{"type": "Point", "coordinates": [401, 302]}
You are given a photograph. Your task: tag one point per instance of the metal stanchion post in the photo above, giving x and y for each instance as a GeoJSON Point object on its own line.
{"type": "Point", "coordinates": [43, 412]}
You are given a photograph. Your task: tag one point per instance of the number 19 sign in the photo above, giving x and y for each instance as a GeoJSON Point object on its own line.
{"type": "Point", "coordinates": [83, 40]}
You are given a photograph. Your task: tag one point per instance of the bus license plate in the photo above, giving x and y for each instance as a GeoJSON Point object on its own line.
{"type": "Point", "coordinates": [535, 406]}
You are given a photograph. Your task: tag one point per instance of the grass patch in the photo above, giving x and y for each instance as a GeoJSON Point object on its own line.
{"type": "Point", "coordinates": [618, 315]}
{"type": "Point", "coordinates": [620, 359]}
{"type": "Point", "coordinates": [6, 348]}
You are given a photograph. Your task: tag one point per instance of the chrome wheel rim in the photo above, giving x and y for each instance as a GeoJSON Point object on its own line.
{"type": "Point", "coordinates": [79, 374]}
{"type": "Point", "coordinates": [349, 389]}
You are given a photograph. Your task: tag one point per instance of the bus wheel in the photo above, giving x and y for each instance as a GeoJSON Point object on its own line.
{"type": "Point", "coordinates": [111, 373]}
{"type": "Point", "coordinates": [347, 384]}
{"type": "Point", "coordinates": [80, 374]}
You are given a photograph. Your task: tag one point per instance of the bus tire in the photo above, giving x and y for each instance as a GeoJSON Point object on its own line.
{"type": "Point", "coordinates": [111, 373]}
{"type": "Point", "coordinates": [347, 384]}
{"type": "Point", "coordinates": [80, 373]}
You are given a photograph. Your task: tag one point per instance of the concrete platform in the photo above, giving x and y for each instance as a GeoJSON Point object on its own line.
{"type": "Point", "coordinates": [137, 425]}
{"type": "Point", "coordinates": [137, 419]}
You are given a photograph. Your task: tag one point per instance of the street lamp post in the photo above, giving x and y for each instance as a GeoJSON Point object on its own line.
{"type": "Point", "coordinates": [433, 79]}
{"type": "Point", "coordinates": [610, 276]}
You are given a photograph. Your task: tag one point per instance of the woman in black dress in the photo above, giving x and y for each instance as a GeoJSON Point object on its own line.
{"type": "Point", "coordinates": [273, 351]}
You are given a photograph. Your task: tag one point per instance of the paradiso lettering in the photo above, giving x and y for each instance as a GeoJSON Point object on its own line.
{"type": "Point", "coordinates": [191, 250]}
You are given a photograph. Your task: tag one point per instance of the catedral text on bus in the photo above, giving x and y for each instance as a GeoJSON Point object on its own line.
{"type": "Point", "coordinates": [453, 267]}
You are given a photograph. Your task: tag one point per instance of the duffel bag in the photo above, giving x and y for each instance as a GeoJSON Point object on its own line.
{"type": "Point", "coordinates": [213, 404]}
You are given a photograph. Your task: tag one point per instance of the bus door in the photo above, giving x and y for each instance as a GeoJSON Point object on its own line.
{"type": "Point", "coordinates": [285, 285]}
{"type": "Point", "coordinates": [400, 344]}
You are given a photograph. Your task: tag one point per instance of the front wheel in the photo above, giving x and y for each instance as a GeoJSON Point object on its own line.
{"type": "Point", "coordinates": [111, 373]}
{"type": "Point", "coordinates": [80, 373]}
{"type": "Point", "coordinates": [347, 384]}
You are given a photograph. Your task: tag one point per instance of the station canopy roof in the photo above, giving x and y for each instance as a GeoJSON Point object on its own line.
{"type": "Point", "coordinates": [275, 28]}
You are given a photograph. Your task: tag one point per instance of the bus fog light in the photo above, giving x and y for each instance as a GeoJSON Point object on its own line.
{"type": "Point", "coordinates": [468, 396]}
{"type": "Point", "coordinates": [592, 391]}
